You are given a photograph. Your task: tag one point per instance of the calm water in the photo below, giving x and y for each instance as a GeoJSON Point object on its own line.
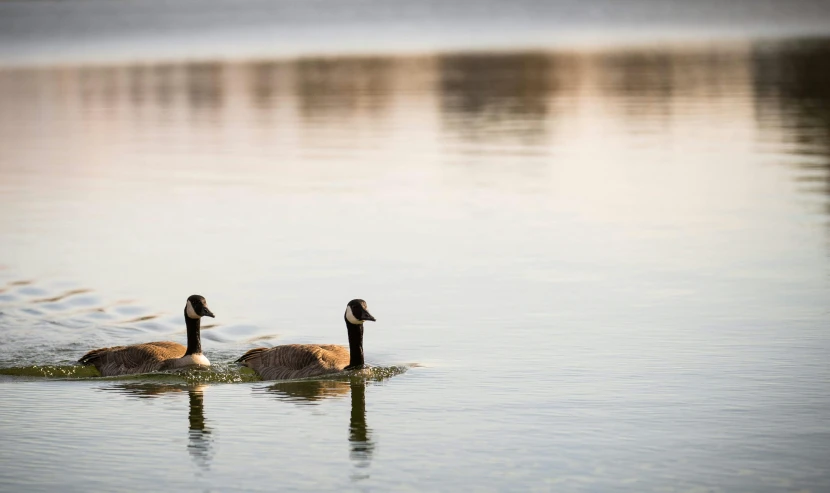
{"type": "Point", "coordinates": [600, 270]}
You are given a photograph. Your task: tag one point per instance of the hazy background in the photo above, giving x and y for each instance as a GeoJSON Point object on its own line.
{"type": "Point", "coordinates": [144, 30]}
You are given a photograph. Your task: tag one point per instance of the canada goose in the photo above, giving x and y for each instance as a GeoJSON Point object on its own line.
{"type": "Point", "coordinates": [309, 360]}
{"type": "Point", "coordinates": [155, 356]}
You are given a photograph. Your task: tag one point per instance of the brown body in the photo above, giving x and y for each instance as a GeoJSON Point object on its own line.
{"type": "Point", "coordinates": [296, 360]}
{"type": "Point", "coordinates": [141, 358]}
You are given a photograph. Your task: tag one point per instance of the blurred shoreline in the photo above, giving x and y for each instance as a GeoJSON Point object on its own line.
{"type": "Point", "coordinates": [91, 32]}
{"type": "Point", "coordinates": [573, 48]}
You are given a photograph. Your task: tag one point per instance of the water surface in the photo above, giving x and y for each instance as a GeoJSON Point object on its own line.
{"type": "Point", "coordinates": [602, 270]}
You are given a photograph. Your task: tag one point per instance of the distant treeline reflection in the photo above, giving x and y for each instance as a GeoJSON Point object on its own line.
{"type": "Point", "coordinates": [792, 85]}
{"type": "Point", "coordinates": [482, 100]}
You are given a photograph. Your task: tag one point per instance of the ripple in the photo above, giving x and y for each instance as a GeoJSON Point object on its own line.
{"type": "Point", "coordinates": [217, 373]}
{"type": "Point", "coordinates": [239, 331]}
{"type": "Point", "coordinates": [62, 296]}
{"type": "Point", "coordinates": [99, 315]}
{"type": "Point", "coordinates": [266, 337]}
{"type": "Point", "coordinates": [51, 371]}
{"type": "Point", "coordinates": [212, 336]}
{"type": "Point", "coordinates": [129, 310]}
{"type": "Point", "coordinates": [156, 327]}
{"type": "Point", "coordinates": [221, 373]}
{"type": "Point", "coordinates": [310, 390]}
{"type": "Point", "coordinates": [146, 389]}
{"type": "Point", "coordinates": [53, 306]}
{"type": "Point", "coordinates": [32, 291]}
{"type": "Point", "coordinates": [81, 301]}
{"type": "Point", "coordinates": [139, 319]}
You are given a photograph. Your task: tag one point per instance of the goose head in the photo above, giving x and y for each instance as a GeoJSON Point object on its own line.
{"type": "Point", "coordinates": [197, 307]}
{"type": "Point", "coordinates": [356, 313]}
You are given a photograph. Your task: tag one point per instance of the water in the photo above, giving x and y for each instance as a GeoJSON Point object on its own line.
{"type": "Point", "coordinates": [592, 270]}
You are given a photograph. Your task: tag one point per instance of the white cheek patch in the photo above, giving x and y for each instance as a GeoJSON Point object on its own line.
{"type": "Point", "coordinates": [350, 316]}
{"type": "Point", "coordinates": [191, 313]}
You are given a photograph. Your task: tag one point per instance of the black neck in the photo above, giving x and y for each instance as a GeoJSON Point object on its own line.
{"type": "Point", "coordinates": [194, 338]}
{"type": "Point", "coordinates": [355, 344]}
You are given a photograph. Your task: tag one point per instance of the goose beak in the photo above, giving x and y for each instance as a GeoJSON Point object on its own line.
{"type": "Point", "coordinates": [367, 316]}
{"type": "Point", "coordinates": [206, 312]}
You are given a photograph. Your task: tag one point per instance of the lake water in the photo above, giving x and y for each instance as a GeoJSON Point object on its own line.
{"type": "Point", "coordinates": [592, 270]}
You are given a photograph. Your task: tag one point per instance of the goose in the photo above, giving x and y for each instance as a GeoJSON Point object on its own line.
{"type": "Point", "coordinates": [155, 356]}
{"type": "Point", "coordinates": [310, 360]}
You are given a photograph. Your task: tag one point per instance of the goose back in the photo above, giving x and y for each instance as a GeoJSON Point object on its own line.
{"type": "Point", "coordinates": [296, 360]}
{"type": "Point", "coordinates": [137, 358]}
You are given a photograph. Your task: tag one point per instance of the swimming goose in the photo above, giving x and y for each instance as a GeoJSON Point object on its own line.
{"type": "Point", "coordinates": [155, 356]}
{"type": "Point", "coordinates": [310, 360]}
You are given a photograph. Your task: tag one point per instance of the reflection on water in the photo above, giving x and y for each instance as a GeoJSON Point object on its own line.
{"type": "Point", "coordinates": [494, 107]}
{"type": "Point", "coordinates": [793, 105]}
{"type": "Point", "coordinates": [360, 435]}
{"type": "Point", "coordinates": [200, 440]}
{"type": "Point", "coordinates": [361, 443]}
{"type": "Point", "coordinates": [340, 88]}
{"type": "Point", "coordinates": [266, 77]}
{"type": "Point", "coordinates": [199, 434]}
{"type": "Point", "coordinates": [204, 85]}
{"type": "Point", "coordinates": [486, 102]}
{"type": "Point", "coordinates": [503, 97]}
{"type": "Point", "coordinates": [309, 392]}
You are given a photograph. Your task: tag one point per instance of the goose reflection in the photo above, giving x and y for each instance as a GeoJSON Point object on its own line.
{"type": "Point", "coordinates": [199, 435]}
{"type": "Point", "coordinates": [361, 444]}
{"type": "Point", "coordinates": [306, 392]}
{"type": "Point", "coordinates": [360, 435]}
{"type": "Point", "coordinates": [200, 439]}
